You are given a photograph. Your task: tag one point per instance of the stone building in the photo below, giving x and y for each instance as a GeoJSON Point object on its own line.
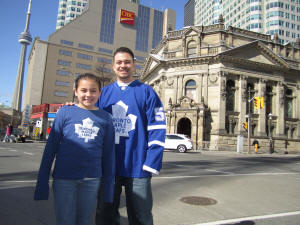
{"type": "Point", "coordinates": [206, 75]}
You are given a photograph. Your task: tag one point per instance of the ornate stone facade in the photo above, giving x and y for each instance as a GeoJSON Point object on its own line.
{"type": "Point", "coordinates": [206, 76]}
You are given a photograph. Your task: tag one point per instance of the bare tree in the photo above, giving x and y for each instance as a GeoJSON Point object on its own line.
{"type": "Point", "coordinates": [103, 72]}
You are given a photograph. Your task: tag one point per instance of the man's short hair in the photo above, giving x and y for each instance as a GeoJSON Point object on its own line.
{"type": "Point", "coordinates": [124, 49]}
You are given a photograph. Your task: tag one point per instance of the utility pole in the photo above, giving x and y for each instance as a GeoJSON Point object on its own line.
{"type": "Point", "coordinates": [249, 118]}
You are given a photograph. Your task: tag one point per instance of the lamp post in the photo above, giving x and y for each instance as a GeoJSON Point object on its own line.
{"type": "Point", "coordinates": [248, 119]}
{"type": "Point", "coordinates": [270, 134]}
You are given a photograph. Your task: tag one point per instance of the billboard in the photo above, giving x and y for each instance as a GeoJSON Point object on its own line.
{"type": "Point", "coordinates": [127, 17]}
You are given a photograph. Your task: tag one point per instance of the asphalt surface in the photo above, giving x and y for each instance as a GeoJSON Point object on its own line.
{"type": "Point", "coordinates": [196, 188]}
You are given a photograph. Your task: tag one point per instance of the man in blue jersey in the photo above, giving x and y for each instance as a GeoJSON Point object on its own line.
{"type": "Point", "coordinates": [140, 127]}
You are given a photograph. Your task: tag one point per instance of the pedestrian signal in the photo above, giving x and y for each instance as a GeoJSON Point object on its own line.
{"type": "Point", "coordinates": [245, 126]}
{"type": "Point", "coordinates": [262, 102]}
{"type": "Point", "coordinates": [256, 102]}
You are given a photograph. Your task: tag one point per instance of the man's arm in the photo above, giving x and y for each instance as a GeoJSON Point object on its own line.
{"type": "Point", "coordinates": [156, 133]}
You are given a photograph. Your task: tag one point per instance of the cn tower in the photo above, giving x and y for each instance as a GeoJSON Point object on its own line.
{"type": "Point", "coordinates": [24, 39]}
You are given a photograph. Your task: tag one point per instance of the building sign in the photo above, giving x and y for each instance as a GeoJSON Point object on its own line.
{"type": "Point", "coordinates": [127, 17]}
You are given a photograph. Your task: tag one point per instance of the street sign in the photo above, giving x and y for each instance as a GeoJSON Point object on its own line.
{"type": "Point", "coordinates": [38, 123]}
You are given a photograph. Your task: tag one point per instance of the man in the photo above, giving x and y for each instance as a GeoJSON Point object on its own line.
{"type": "Point", "coordinates": [140, 128]}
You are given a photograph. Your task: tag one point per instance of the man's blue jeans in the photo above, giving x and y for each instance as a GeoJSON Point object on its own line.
{"type": "Point", "coordinates": [75, 200]}
{"type": "Point", "coordinates": [139, 203]}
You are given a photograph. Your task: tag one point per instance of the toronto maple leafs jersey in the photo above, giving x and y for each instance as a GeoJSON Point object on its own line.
{"type": "Point", "coordinates": [140, 128]}
{"type": "Point", "coordinates": [80, 141]}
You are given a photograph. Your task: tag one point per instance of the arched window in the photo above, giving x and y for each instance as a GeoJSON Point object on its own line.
{"type": "Point", "coordinates": [230, 95]}
{"type": "Point", "coordinates": [289, 103]}
{"type": "Point", "coordinates": [269, 99]}
{"type": "Point", "coordinates": [191, 49]}
{"type": "Point", "coordinates": [190, 89]}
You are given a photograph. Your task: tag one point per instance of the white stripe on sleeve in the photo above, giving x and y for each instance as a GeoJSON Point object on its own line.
{"type": "Point", "coordinates": [157, 127]}
{"type": "Point", "coordinates": [156, 142]}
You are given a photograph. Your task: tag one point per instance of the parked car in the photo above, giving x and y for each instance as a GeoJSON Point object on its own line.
{"type": "Point", "coordinates": [179, 142]}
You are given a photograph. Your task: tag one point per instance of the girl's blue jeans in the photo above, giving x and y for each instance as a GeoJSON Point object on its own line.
{"type": "Point", "coordinates": [75, 200]}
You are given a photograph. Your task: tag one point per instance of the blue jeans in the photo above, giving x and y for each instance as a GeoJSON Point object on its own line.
{"type": "Point", "coordinates": [139, 203]}
{"type": "Point", "coordinates": [75, 200]}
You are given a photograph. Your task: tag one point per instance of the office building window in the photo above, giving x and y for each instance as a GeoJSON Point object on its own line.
{"type": "Point", "coordinates": [83, 66]}
{"type": "Point", "coordinates": [104, 60]}
{"type": "Point", "coordinates": [140, 58]}
{"type": "Point", "coordinates": [108, 21]}
{"type": "Point", "coordinates": [65, 42]}
{"type": "Point", "coordinates": [61, 93]}
{"type": "Point", "coordinates": [64, 63]}
{"type": "Point", "coordinates": [63, 73]}
{"type": "Point", "coordinates": [89, 47]}
{"type": "Point", "coordinates": [62, 83]}
{"type": "Point", "coordinates": [142, 28]}
{"type": "Point", "coordinates": [157, 28]}
{"type": "Point", "coordinates": [84, 56]}
{"type": "Point", "coordinates": [105, 50]}
{"type": "Point", "coordinates": [65, 52]}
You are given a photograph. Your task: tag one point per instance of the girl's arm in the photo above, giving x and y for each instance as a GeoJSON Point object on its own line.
{"type": "Point", "coordinates": [51, 148]}
{"type": "Point", "coordinates": [108, 163]}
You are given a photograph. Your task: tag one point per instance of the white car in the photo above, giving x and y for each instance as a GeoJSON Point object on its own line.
{"type": "Point", "coordinates": [180, 142]}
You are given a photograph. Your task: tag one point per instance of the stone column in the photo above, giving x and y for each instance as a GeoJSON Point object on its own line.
{"type": "Point", "coordinates": [261, 126]}
{"type": "Point", "coordinates": [222, 103]}
{"type": "Point", "coordinates": [180, 87]}
{"type": "Point", "coordinates": [242, 102]}
{"type": "Point", "coordinates": [280, 111]}
{"type": "Point", "coordinates": [297, 102]}
{"type": "Point", "coordinates": [200, 126]}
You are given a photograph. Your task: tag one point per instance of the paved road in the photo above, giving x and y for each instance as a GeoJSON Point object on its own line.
{"type": "Point", "coordinates": [225, 188]}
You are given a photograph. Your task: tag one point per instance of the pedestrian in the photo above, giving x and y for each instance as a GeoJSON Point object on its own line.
{"type": "Point", "coordinates": [81, 141]}
{"type": "Point", "coordinates": [140, 128]}
{"type": "Point", "coordinates": [256, 146]}
{"type": "Point", "coordinates": [48, 130]}
{"type": "Point", "coordinates": [8, 133]}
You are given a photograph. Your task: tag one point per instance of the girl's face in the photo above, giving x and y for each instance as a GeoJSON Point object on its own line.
{"type": "Point", "coordinates": [87, 93]}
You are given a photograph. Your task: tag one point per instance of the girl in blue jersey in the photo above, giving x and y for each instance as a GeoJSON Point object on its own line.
{"type": "Point", "coordinates": [81, 142]}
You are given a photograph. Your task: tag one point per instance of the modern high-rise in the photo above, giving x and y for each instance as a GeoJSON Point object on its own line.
{"type": "Point", "coordinates": [263, 16]}
{"type": "Point", "coordinates": [87, 43]}
{"type": "Point", "coordinates": [189, 13]}
{"type": "Point", "coordinates": [70, 9]}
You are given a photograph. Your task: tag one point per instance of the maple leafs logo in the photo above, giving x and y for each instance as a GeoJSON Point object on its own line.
{"type": "Point", "coordinates": [86, 130]}
{"type": "Point", "coordinates": [122, 123]}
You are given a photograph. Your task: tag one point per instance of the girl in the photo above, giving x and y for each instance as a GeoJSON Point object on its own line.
{"type": "Point", "coordinates": [81, 141]}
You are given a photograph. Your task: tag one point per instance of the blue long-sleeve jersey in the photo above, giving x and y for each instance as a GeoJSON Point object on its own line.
{"type": "Point", "coordinates": [81, 142]}
{"type": "Point", "coordinates": [140, 128]}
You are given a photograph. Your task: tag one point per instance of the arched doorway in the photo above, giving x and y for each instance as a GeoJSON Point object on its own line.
{"type": "Point", "coordinates": [184, 126]}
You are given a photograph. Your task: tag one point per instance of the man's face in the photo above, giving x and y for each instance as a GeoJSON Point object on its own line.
{"type": "Point", "coordinates": [124, 67]}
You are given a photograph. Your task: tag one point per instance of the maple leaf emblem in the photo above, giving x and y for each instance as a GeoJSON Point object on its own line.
{"type": "Point", "coordinates": [86, 130]}
{"type": "Point", "coordinates": [122, 123]}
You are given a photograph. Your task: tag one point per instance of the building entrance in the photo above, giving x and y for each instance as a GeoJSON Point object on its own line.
{"type": "Point", "coordinates": [184, 127]}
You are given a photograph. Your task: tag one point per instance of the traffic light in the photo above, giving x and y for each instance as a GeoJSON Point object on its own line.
{"type": "Point", "coordinates": [256, 102]}
{"type": "Point", "coordinates": [262, 102]}
{"type": "Point", "coordinates": [245, 125]}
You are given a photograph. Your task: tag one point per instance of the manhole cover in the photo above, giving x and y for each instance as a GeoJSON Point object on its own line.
{"type": "Point", "coordinates": [195, 200]}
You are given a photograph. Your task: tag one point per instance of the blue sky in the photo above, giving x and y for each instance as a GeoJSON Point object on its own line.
{"type": "Point", "coordinates": [42, 24]}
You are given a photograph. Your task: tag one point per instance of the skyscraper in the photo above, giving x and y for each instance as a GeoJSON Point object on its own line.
{"type": "Point", "coordinates": [189, 13]}
{"type": "Point", "coordinates": [70, 9]}
{"type": "Point", "coordinates": [263, 16]}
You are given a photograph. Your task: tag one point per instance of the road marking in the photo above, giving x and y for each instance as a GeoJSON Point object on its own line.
{"type": "Point", "coordinates": [251, 218]}
{"type": "Point", "coordinates": [18, 181]}
{"type": "Point", "coordinates": [226, 175]}
{"type": "Point", "coordinates": [27, 153]}
{"type": "Point", "coordinates": [217, 171]}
